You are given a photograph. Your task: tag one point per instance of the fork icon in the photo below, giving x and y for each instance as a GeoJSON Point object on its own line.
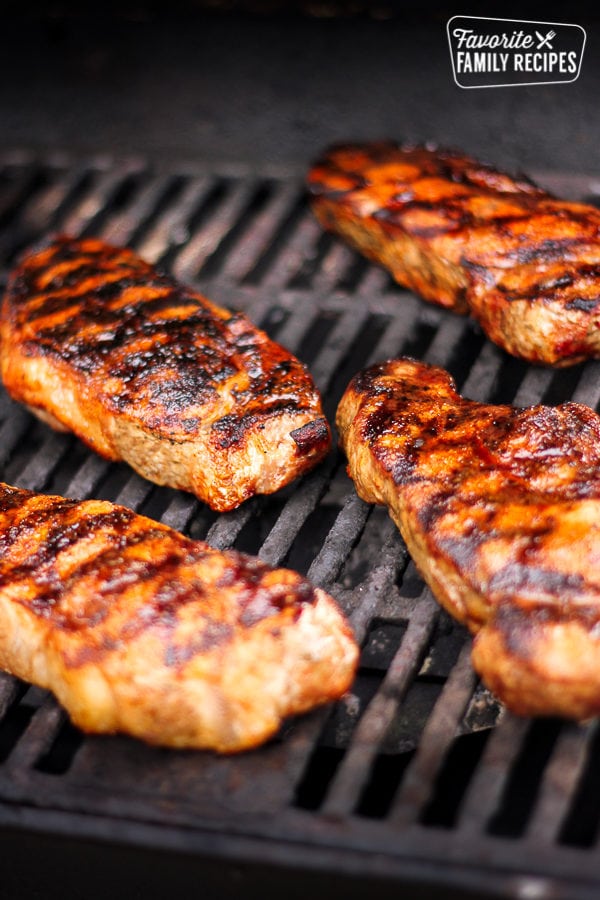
{"type": "Point", "coordinates": [545, 41]}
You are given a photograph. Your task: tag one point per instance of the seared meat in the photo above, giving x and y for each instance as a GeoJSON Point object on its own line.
{"type": "Point", "coordinates": [500, 509]}
{"type": "Point", "coordinates": [143, 369]}
{"type": "Point", "coordinates": [473, 239]}
{"type": "Point", "coordinates": [138, 629]}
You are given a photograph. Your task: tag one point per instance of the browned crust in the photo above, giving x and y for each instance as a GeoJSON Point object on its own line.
{"type": "Point", "coordinates": [471, 238]}
{"type": "Point", "coordinates": [143, 369]}
{"type": "Point", "coordinates": [139, 629]}
{"type": "Point", "coordinates": [500, 509]}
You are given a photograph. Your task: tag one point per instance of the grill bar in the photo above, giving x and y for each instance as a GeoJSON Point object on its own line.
{"type": "Point", "coordinates": [179, 512]}
{"type": "Point", "coordinates": [294, 515]}
{"type": "Point", "coordinates": [378, 590]}
{"type": "Point", "coordinates": [107, 184]}
{"type": "Point", "coordinates": [483, 796]}
{"type": "Point", "coordinates": [373, 282]}
{"type": "Point", "coordinates": [588, 389]}
{"type": "Point", "coordinates": [484, 374]}
{"type": "Point", "coordinates": [225, 530]}
{"type": "Point", "coordinates": [87, 478]}
{"type": "Point", "coordinates": [447, 337]}
{"type": "Point", "coordinates": [533, 387]}
{"type": "Point", "coordinates": [442, 727]}
{"type": "Point", "coordinates": [396, 334]}
{"type": "Point", "coordinates": [19, 186]}
{"type": "Point", "coordinates": [123, 225]}
{"type": "Point", "coordinates": [9, 689]}
{"type": "Point", "coordinates": [299, 247]}
{"type": "Point", "coordinates": [39, 211]}
{"type": "Point", "coordinates": [171, 231]}
{"type": "Point", "coordinates": [134, 493]}
{"type": "Point", "coordinates": [11, 433]}
{"type": "Point", "coordinates": [336, 261]}
{"type": "Point", "coordinates": [253, 243]}
{"type": "Point", "coordinates": [343, 335]}
{"type": "Point", "coordinates": [36, 473]}
{"type": "Point", "coordinates": [38, 736]}
{"type": "Point", "coordinates": [205, 240]}
{"type": "Point", "coordinates": [560, 783]}
{"type": "Point", "coordinates": [376, 721]}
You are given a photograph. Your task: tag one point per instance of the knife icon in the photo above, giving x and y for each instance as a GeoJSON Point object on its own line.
{"type": "Point", "coordinates": [545, 41]}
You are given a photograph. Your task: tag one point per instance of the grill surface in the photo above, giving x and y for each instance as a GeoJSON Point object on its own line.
{"type": "Point", "coordinates": [418, 776]}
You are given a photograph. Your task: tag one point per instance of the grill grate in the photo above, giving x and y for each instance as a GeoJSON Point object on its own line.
{"type": "Point", "coordinates": [418, 765]}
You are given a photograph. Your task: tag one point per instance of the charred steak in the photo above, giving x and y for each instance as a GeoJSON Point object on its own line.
{"type": "Point", "coordinates": [138, 629]}
{"type": "Point", "coordinates": [500, 509]}
{"type": "Point", "coordinates": [472, 239]}
{"type": "Point", "coordinates": [142, 369]}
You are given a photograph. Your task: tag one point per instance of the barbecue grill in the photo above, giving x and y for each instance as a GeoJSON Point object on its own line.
{"type": "Point", "coordinates": [417, 781]}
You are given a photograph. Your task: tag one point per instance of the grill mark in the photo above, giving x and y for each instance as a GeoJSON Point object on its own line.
{"type": "Point", "coordinates": [214, 634]}
{"type": "Point", "coordinates": [564, 280]}
{"type": "Point", "coordinates": [557, 288]}
{"type": "Point", "coordinates": [435, 508]}
{"type": "Point", "coordinates": [172, 347]}
{"type": "Point", "coordinates": [78, 268]}
{"type": "Point", "coordinates": [60, 536]}
{"type": "Point", "coordinates": [509, 442]}
{"type": "Point", "coordinates": [547, 250]}
{"type": "Point", "coordinates": [265, 602]}
{"type": "Point", "coordinates": [199, 341]}
{"type": "Point", "coordinates": [105, 285]}
{"type": "Point", "coordinates": [458, 220]}
{"type": "Point", "coordinates": [583, 304]}
{"type": "Point", "coordinates": [65, 249]}
{"type": "Point", "coordinates": [160, 352]}
{"type": "Point", "coordinates": [232, 429]}
{"type": "Point", "coordinates": [11, 499]}
{"type": "Point", "coordinates": [29, 521]}
{"type": "Point", "coordinates": [520, 579]}
{"type": "Point", "coordinates": [520, 624]}
{"type": "Point", "coordinates": [430, 161]}
{"type": "Point", "coordinates": [488, 247]}
{"type": "Point", "coordinates": [174, 588]}
{"type": "Point", "coordinates": [119, 572]}
{"type": "Point", "coordinates": [131, 312]}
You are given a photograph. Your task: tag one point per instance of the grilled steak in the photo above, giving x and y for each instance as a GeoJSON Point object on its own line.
{"type": "Point", "coordinates": [500, 509]}
{"type": "Point", "coordinates": [138, 629]}
{"type": "Point", "coordinates": [472, 239]}
{"type": "Point", "coordinates": [143, 369]}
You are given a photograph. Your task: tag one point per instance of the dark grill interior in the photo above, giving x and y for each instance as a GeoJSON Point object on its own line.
{"type": "Point", "coordinates": [418, 768]}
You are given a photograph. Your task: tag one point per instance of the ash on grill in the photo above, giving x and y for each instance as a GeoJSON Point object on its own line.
{"type": "Point", "coordinates": [419, 765]}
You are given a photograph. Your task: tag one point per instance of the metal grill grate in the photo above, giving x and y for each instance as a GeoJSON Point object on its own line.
{"type": "Point", "coordinates": [418, 765]}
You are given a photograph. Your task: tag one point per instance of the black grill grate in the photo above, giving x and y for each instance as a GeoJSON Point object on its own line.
{"type": "Point", "coordinates": [417, 775]}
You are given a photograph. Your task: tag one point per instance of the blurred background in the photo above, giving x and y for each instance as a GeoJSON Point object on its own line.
{"type": "Point", "coordinates": [269, 83]}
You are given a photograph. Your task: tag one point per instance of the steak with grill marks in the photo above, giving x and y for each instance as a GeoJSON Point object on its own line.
{"type": "Point", "coordinates": [145, 370]}
{"type": "Point", "coordinates": [138, 629]}
{"type": "Point", "coordinates": [473, 239]}
{"type": "Point", "coordinates": [500, 509]}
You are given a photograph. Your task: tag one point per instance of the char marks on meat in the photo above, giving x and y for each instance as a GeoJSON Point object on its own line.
{"type": "Point", "coordinates": [473, 239]}
{"type": "Point", "coordinates": [143, 369]}
{"type": "Point", "coordinates": [500, 509]}
{"type": "Point", "coordinates": [138, 629]}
